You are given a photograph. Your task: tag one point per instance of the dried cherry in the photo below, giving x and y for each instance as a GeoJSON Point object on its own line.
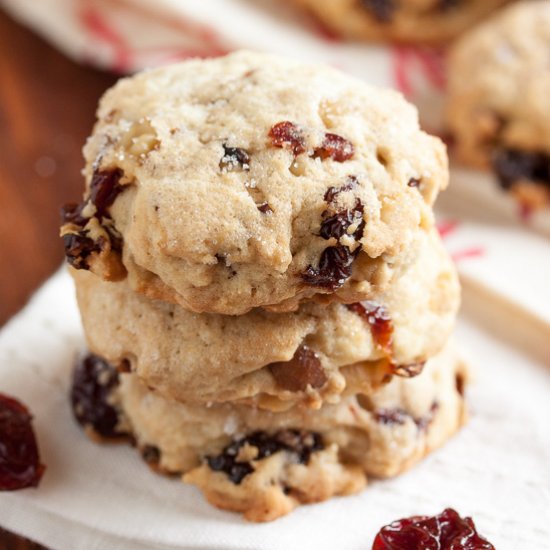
{"type": "Point", "coordinates": [287, 134]}
{"type": "Point", "coordinates": [446, 531]}
{"type": "Point", "coordinates": [335, 268]}
{"type": "Point", "coordinates": [79, 247]}
{"type": "Point", "coordinates": [264, 208]}
{"type": "Point", "coordinates": [335, 147]}
{"type": "Point", "coordinates": [379, 319]}
{"type": "Point", "coordinates": [337, 225]}
{"type": "Point", "coordinates": [104, 189]}
{"type": "Point", "coordinates": [20, 464]}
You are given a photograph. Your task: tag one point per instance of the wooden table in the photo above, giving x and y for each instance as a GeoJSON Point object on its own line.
{"type": "Point", "coordinates": [47, 105]}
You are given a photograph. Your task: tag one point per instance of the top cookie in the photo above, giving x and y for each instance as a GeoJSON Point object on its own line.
{"type": "Point", "coordinates": [498, 106]}
{"type": "Point", "coordinates": [413, 21]}
{"type": "Point", "coordinates": [251, 180]}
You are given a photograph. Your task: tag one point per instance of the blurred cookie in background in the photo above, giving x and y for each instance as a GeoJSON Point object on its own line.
{"type": "Point", "coordinates": [407, 21]}
{"type": "Point", "coordinates": [498, 110]}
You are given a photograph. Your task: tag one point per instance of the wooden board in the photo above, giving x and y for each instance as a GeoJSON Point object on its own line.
{"type": "Point", "coordinates": [47, 105]}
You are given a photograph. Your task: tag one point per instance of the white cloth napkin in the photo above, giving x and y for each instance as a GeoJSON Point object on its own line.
{"type": "Point", "coordinates": [497, 469]}
{"type": "Point", "coordinates": [98, 497]}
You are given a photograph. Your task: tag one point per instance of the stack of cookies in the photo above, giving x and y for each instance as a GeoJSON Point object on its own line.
{"type": "Point", "coordinates": [266, 299]}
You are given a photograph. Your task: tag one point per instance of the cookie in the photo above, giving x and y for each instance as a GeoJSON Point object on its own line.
{"type": "Point", "coordinates": [498, 108]}
{"type": "Point", "coordinates": [412, 21]}
{"type": "Point", "coordinates": [251, 181]}
{"type": "Point", "coordinates": [266, 463]}
{"type": "Point", "coordinates": [275, 359]}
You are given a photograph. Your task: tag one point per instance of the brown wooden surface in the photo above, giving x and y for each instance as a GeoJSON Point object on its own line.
{"type": "Point", "coordinates": [47, 105]}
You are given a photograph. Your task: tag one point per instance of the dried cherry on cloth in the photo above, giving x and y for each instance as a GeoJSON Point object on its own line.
{"type": "Point", "coordinates": [20, 464]}
{"type": "Point", "coordinates": [446, 531]}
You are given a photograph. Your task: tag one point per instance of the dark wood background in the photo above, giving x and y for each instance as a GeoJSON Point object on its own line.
{"type": "Point", "coordinates": [47, 105]}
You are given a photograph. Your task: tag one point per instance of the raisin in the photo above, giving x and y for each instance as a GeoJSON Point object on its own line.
{"type": "Point", "coordinates": [381, 9]}
{"type": "Point", "coordinates": [336, 226]}
{"type": "Point", "coordinates": [287, 134]}
{"type": "Point", "coordinates": [335, 264]}
{"type": "Point", "coordinates": [332, 192]}
{"type": "Point", "coordinates": [378, 317]}
{"type": "Point", "coordinates": [236, 471]}
{"type": "Point", "coordinates": [446, 531]}
{"type": "Point", "coordinates": [78, 247]}
{"type": "Point", "coordinates": [335, 147]}
{"type": "Point", "coordinates": [104, 189]}
{"type": "Point", "coordinates": [234, 158]}
{"type": "Point", "coordinates": [303, 370]}
{"type": "Point", "coordinates": [335, 268]}
{"type": "Point", "coordinates": [513, 165]}
{"type": "Point", "coordinates": [93, 383]}
{"type": "Point", "coordinates": [264, 208]}
{"type": "Point", "coordinates": [298, 442]}
{"type": "Point", "coordinates": [20, 465]}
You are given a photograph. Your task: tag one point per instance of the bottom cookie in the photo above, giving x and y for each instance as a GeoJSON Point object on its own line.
{"type": "Point", "coordinates": [263, 463]}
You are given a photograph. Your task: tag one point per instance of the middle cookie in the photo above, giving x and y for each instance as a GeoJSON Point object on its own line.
{"type": "Point", "coordinates": [275, 359]}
